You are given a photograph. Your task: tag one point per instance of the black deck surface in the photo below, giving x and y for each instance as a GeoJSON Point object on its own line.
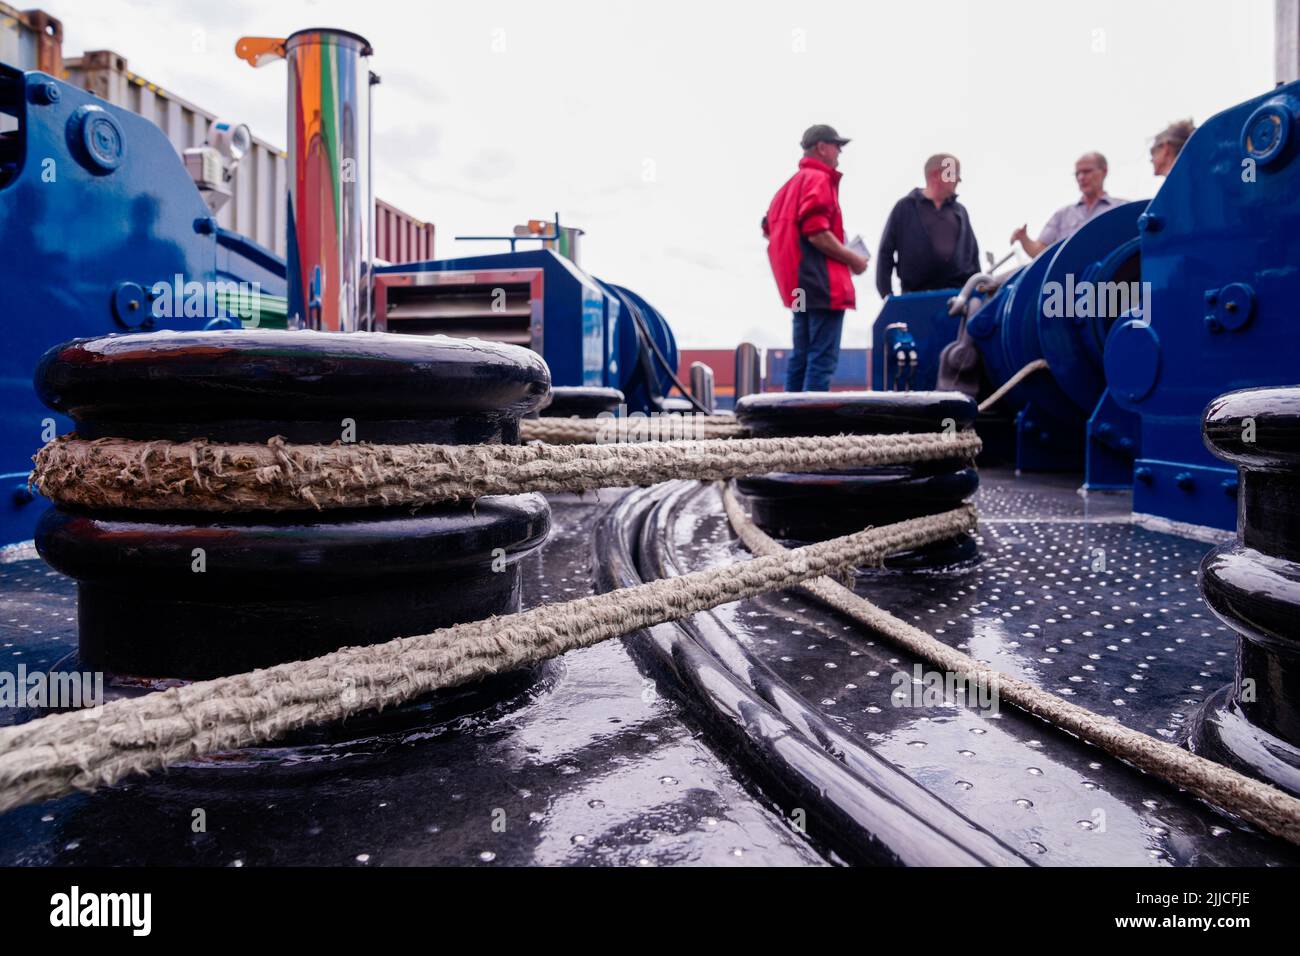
{"type": "Point", "coordinates": [586, 762]}
{"type": "Point", "coordinates": [587, 765]}
{"type": "Point", "coordinates": [1130, 638]}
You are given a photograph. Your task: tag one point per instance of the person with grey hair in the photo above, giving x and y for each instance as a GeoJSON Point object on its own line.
{"type": "Point", "coordinates": [1168, 144]}
{"type": "Point", "coordinates": [1090, 175]}
{"type": "Point", "coordinates": [928, 236]}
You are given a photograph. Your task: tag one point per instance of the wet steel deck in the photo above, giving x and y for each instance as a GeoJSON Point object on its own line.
{"type": "Point", "coordinates": [590, 760]}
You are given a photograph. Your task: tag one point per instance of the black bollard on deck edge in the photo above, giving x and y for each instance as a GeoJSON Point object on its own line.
{"type": "Point", "coordinates": [1253, 585]}
{"type": "Point", "coordinates": [193, 596]}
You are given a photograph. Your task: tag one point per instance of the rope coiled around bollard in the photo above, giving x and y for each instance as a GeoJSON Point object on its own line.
{"type": "Point", "coordinates": [276, 476]}
{"type": "Point", "coordinates": [82, 750]}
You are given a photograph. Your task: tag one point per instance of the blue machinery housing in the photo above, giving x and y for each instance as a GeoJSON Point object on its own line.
{"type": "Point", "coordinates": [590, 332]}
{"type": "Point", "coordinates": [1143, 316]}
{"type": "Point", "coordinates": [96, 210]}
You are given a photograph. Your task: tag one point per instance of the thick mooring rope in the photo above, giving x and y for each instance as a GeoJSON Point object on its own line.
{"type": "Point", "coordinates": [1012, 382]}
{"type": "Point", "coordinates": [1266, 807]}
{"type": "Point", "coordinates": [670, 427]}
{"type": "Point", "coordinates": [82, 750]}
{"type": "Point", "coordinates": [203, 476]}
{"type": "Point", "coordinates": [86, 749]}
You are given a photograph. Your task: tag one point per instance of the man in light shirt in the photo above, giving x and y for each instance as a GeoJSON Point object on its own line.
{"type": "Point", "coordinates": [1090, 174]}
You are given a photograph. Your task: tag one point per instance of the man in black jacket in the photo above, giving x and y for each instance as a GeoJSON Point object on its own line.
{"type": "Point", "coordinates": [928, 235]}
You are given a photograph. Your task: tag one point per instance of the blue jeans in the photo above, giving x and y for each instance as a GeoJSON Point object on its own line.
{"type": "Point", "coordinates": [816, 350]}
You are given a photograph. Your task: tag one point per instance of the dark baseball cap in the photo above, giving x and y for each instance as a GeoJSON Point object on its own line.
{"type": "Point", "coordinates": [821, 133]}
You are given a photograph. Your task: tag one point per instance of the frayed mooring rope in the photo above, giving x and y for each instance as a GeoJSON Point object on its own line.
{"type": "Point", "coordinates": [1029, 369]}
{"type": "Point", "coordinates": [82, 750]}
{"type": "Point", "coordinates": [277, 476]}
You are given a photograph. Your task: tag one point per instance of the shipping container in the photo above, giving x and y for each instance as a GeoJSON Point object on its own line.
{"type": "Point", "coordinates": [399, 238]}
{"type": "Point", "coordinates": [722, 361]}
{"type": "Point", "coordinates": [33, 40]}
{"type": "Point", "coordinates": [257, 205]}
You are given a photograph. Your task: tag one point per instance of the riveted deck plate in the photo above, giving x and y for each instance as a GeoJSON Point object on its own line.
{"type": "Point", "coordinates": [1067, 596]}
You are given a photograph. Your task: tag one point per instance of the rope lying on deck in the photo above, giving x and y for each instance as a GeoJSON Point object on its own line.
{"type": "Point", "coordinates": [82, 750]}
{"type": "Point", "coordinates": [276, 476]}
{"type": "Point", "coordinates": [670, 427]}
{"type": "Point", "coordinates": [1266, 807]}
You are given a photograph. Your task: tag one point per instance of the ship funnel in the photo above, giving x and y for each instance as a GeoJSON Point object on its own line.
{"type": "Point", "coordinates": [330, 201]}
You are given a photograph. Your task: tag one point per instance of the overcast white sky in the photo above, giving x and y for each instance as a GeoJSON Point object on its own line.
{"type": "Point", "coordinates": [664, 128]}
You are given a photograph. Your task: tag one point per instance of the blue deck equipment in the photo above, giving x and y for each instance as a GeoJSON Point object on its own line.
{"type": "Point", "coordinates": [1220, 248]}
{"type": "Point", "coordinates": [590, 332]}
{"type": "Point", "coordinates": [1144, 315]}
{"type": "Point", "coordinates": [96, 210]}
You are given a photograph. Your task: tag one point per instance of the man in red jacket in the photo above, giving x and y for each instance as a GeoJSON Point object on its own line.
{"type": "Point", "coordinates": [805, 244]}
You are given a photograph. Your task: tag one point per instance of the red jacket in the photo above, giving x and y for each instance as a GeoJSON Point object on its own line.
{"type": "Point", "coordinates": [809, 203]}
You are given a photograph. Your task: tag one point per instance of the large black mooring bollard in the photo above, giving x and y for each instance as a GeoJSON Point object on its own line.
{"type": "Point", "coordinates": [1253, 585]}
{"type": "Point", "coordinates": [815, 507]}
{"type": "Point", "coordinates": [190, 595]}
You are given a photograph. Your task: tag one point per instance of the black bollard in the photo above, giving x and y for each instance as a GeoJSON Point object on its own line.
{"type": "Point", "coordinates": [196, 595]}
{"type": "Point", "coordinates": [815, 507]}
{"type": "Point", "coordinates": [568, 401]}
{"type": "Point", "coordinates": [1253, 585]}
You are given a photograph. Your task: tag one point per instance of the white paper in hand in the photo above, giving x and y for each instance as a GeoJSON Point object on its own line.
{"type": "Point", "coordinates": [860, 247]}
